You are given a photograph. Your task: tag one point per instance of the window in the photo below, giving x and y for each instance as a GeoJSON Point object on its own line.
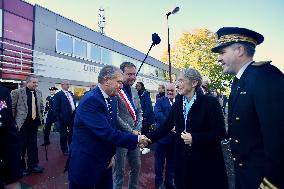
{"type": "Point", "coordinates": [80, 48]}
{"type": "Point", "coordinates": [147, 69]}
{"type": "Point", "coordinates": [64, 43]}
{"type": "Point", "coordinates": [95, 53]}
{"type": "Point", "coordinates": [106, 56]}
{"type": "Point", "coordinates": [161, 74]}
{"type": "Point", "coordinates": [116, 59]}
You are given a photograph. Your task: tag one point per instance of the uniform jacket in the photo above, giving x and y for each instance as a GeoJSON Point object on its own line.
{"type": "Point", "coordinates": [201, 165]}
{"type": "Point", "coordinates": [62, 107]}
{"type": "Point", "coordinates": [49, 107]}
{"type": "Point", "coordinates": [10, 158]}
{"type": "Point", "coordinates": [125, 121]}
{"type": "Point", "coordinates": [20, 106]}
{"type": "Point", "coordinates": [256, 124]}
{"type": "Point", "coordinates": [162, 110]}
{"type": "Point", "coordinates": [95, 138]}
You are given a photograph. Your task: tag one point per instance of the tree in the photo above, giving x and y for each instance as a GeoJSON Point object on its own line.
{"type": "Point", "coordinates": [194, 50]}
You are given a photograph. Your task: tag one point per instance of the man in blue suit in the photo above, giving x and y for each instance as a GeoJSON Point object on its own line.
{"type": "Point", "coordinates": [96, 136]}
{"type": "Point", "coordinates": [64, 108]}
{"type": "Point", "coordinates": [165, 146]}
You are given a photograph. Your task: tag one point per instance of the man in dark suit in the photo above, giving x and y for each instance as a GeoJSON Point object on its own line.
{"type": "Point", "coordinates": [27, 107]}
{"type": "Point", "coordinates": [96, 136]}
{"type": "Point", "coordinates": [256, 106]}
{"type": "Point", "coordinates": [49, 110]}
{"type": "Point", "coordinates": [164, 151]}
{"type": "Point", "coordinates": [161, 92]}
{"type": "Point", "coordinates": [64, 110]}
{"type": "Point", "coordinates": [10, 156]}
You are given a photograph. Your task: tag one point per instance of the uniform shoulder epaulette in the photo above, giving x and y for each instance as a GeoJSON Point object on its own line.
{"type": "Point", "coordinates": [261, 63]}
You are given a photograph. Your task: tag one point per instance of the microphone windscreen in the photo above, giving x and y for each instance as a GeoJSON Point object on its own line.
{"type": "Point", "coordinates": [156, 39]}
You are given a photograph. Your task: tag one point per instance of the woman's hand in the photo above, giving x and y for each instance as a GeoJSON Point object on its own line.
{"type": "Point", "coordinates": [187, 138]}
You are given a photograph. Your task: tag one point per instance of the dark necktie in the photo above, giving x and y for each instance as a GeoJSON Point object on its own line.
{"type": "Point", "coordinates": [234, 88]}
{"type": "Point", "coordinates": [109, 106]}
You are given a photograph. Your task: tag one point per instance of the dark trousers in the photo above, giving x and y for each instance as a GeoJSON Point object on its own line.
{"type": "Point", "coordinates": [28, 138]}
{"type": "Point", "coordinates": [66, 132]}
{"type": "Point", "coordinates": [104, 183]}
{"type": "Point", "coordinates": [164, 153]}
{"type": "Point", "coordinates": [145, 129]}
{"type": "Point", "coordinates": [48, 123]}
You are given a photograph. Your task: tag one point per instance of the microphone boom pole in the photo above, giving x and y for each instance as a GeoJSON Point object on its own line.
{"type": "Point", "coordinates": [155, 41]}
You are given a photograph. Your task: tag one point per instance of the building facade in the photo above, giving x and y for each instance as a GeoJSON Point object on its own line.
{"type": "Point", "coordinates": [38, 41]}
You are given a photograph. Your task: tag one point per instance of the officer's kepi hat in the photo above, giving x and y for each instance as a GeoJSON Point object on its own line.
{"type": "Point", "coordinates": [229, 35]}
{"type": "Point", "coordinates": [53, 88]}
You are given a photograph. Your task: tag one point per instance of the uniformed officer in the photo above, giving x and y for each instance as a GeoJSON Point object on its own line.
{"type": "Point", "coordinates": [256, 107]}
{"type": "Point", "coordinates": [50, 115]}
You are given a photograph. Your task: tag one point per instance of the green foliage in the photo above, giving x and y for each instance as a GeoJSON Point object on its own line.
{"type": "Point", "coordinates": [194, 50]}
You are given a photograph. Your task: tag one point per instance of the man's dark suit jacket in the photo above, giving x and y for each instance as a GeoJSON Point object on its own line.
{"type": "Point", "coordinates": [95, 138]}
{"type": "Point", "coordinates": [62, 107]}
{"type": "Point", "coordinates": [162, 110]}
{"type": "Point", "coordinates": [10, 158]}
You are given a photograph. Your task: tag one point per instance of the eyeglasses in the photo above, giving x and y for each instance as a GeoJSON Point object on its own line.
{"type": "Point", "coordinates": [131, 74]}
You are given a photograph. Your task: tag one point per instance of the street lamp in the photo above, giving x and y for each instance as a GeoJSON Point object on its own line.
{"type": "Point", "coordinates": [169, 46]}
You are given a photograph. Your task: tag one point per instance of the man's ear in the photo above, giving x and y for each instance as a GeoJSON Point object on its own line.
{"type": "Point", "coordinates": [240, 50]}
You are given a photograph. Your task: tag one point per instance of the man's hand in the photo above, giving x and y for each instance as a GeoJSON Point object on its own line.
{"type": "Point", "coordinates": [15, 185]}
{"type": "Point", "coordinates": [143, 141]}
{"type": "Point", "coordinates": [173, 130]}
{"type": "Point", "coordinates": [136, 132]}
{"type": "Point", "coordinates": [187, 138]}
{"type": "Point", "coordinates": [110, 163]}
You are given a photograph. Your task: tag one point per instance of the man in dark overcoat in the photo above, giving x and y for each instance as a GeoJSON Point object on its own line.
{"type": "Point", "coordinates": [10, 153]}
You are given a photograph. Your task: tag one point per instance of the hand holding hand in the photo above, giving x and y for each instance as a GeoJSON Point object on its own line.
{"type": "Point", "coordinates": [136, 132]}
{"type": "Point", "coordinates": [187, 138]}
{"type": "Point", "coordinates": [143, 141]}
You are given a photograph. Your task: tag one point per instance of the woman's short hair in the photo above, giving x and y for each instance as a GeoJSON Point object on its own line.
{"type": "Point", "coordinates": [192, 74]}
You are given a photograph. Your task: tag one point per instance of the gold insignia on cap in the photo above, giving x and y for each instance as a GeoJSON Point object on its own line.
{"type": "Point", "coordinates": [235, 38]}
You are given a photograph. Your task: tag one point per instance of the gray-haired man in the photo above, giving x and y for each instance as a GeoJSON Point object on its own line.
{"type": "Point", "coordinates": [27, 107]}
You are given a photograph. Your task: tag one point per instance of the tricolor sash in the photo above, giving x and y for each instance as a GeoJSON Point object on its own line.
{"type": "Point", "coordinates": [129, 104]}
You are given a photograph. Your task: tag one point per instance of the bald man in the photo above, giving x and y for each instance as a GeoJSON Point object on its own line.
{"type": "Point", "coordinates": [165, 146]}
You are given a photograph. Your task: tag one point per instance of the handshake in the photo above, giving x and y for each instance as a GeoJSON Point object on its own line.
{"type": "Point", "coordinates": [143, 141]}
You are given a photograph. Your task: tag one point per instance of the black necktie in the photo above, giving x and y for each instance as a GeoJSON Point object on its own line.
{"type": "Point", "coordinates": [234, 87]}
{"type": "Point", "coordinates": [109, 106]}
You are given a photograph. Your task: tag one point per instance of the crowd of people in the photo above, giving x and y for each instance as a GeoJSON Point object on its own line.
{"type": "Point", "coordinates": [114, 121]}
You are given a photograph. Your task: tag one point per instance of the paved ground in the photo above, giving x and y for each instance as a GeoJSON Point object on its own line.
{"type": "Point", "coordinates": [54, 178]}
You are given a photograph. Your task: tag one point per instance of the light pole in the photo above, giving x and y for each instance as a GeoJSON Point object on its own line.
{"type": "Point", "coordinates": [169, 46]}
